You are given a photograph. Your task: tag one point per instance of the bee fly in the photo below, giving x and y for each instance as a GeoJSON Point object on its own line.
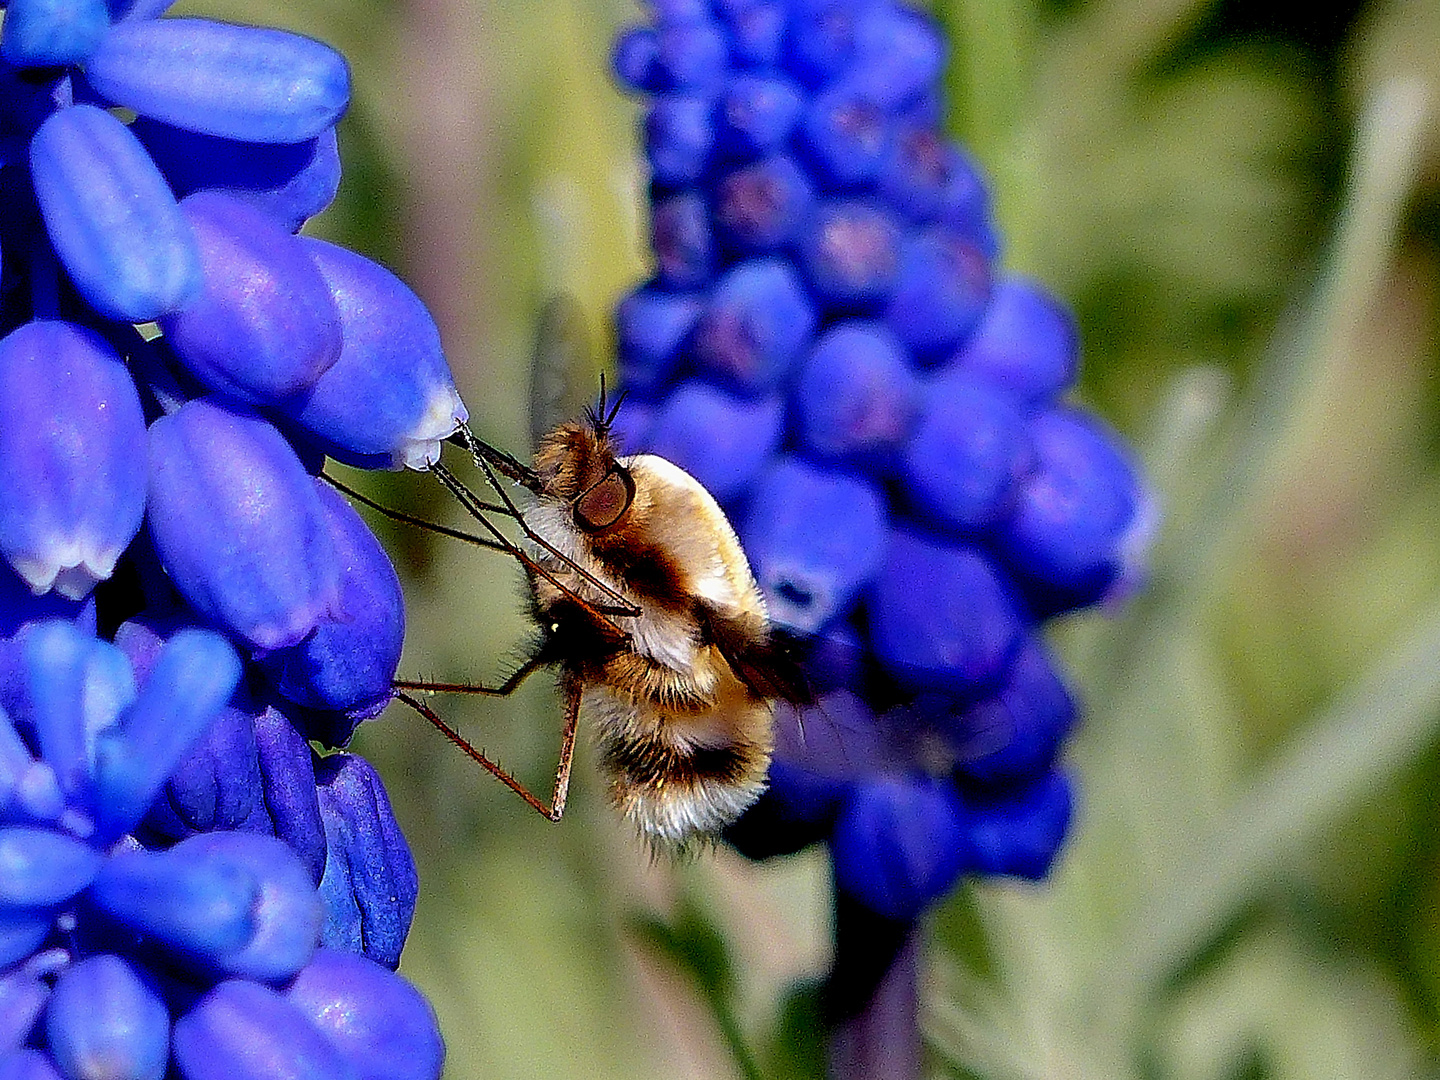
{"type": "Point", "coordinates": [647, 606]}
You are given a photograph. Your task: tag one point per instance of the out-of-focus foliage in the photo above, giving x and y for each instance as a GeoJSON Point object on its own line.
{"type": "Point", "coordinates": [1242, 201]}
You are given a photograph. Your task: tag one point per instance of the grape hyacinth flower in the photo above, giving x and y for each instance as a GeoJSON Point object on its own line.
{"type": "Point", "coordinates": [176, 366]}
{"type": "Point", "coordinates": [924, 502]}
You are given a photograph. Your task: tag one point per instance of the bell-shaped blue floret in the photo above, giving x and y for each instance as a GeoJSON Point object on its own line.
{"type": "Point", "coordinates": [681, 236]}
{"type": "Point", "coordinates": [71, 432]}
{"type": "Point", "coordinates": [237, 524]}
{"type": "Point", "coordinates": [287, 771]}
{"type": "Point", "coordinates": [845, 136]}
{"type": "Point", "coordinates": [899, 54]}
{"type": "Point", "coordinates": [651, 328]}
{"type": "Point", "coordinates": [1027, 342]}
{"type": "Point", "coordinates": [41, 868]}
{"type": "Point", "coordinates": [379, 1022]}
{"type": "Point", "coordinates": [900, 843]}
{"type": "Point", "coordinates": [1019, 833]}
{"type": "Point", "coordinates": [719, 439]}
{"type": "Point", "coordinates": [856, 396]}
{"type": "Point", "coordinates": [193, 678]}
{"type": "Point", "coordinates": [850, 249]}
{"type": "Point", "coordinates": [290, 182]}
{"type": "Point", "coordinates": [346, 665]}
{"type": "Point", "coordinates": [757, 114]}
{"type": "Point", "coordinates": [815, 539]}
{"type": "Point", "coordinates": [27, 1065]}
{"type": "Point", "coordinates": [761, 207]}
{"type": "Point", "coordinates": [679, 135]}
{"type": "Point", "coordinates": [927, 178]}
{"type": "Point", "coordinates": [942, 617]}
{"type": "Point", "coordinates": [264, 327]}
{"type": "Point", "coordinates": [389, 399]}
{"type": "Point", "coordinates": [22, 996]}
{"type": "Point", "coordinates": [244, 1031]}
{"type": "Point", "coordinates": [239, 82]}
{"type": "Point", "coordinates": [216, 785]}
{"type": "Point", "coordinates": [103, 1020]}
{"type": "Point", "coordinates": [967, 455]}
{"type": "Point", "coordinates": [286, 913]}
{"type": "Point", "coordinates": [940, 291]}
{"type": "Point", "coordinates": [111, 217]}
{"type": "Point", "coordinates": [22, 931]}
{"type": "Point", "coordinates": [46, 33]}
{"type": "Point", "coordinates": [758, 322]}
{"type": "Point", "coordinates": [370, 884]}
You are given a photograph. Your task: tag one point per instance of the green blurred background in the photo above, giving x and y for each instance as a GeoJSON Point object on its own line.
{"type": "Point", "coordinates": [1241, 199]}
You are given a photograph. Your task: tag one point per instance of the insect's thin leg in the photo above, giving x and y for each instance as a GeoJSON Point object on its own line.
{"type": "Point", "coordinates": [505, 689]}
{"type": "Point", "coordinates": [484, 762]}
{"type": "Point", "coordinates": [409, 519]}
{"type": "Point", "coordinates": [482, 451]}
{"type": "Point", "coordinates": [567, 750]}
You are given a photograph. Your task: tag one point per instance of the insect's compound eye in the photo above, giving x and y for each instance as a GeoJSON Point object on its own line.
{"type": "Point", "coordinates": [604, 502]}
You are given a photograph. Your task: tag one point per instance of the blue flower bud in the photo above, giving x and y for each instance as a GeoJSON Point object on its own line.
{"type": "Point", "coordinates": [389, 398]}
{"type": "Point", "coordinates": [856, 397]}
{"type": "Point", "coordinates": [899, 54]}
{"type": "Point", "coordinates": [369, 887]}
{"type": "Point", "coordinates": [757, 114]}
{"type": "Point", "coordinates": [942, 617]}
{"type": "Point", "coordinates": [680, 236]}
{"type": "Point", "coordinates": [690, 56]}
{"type": "Point", "coordinates": [27, 1065]}
{"type": "Point", "coordinates": [846, 137]}
{"type": "Point", "coordinates": [758, 321]}
{"type": "Point", "coordinates": [1081, 513]}
{"type": "Point", "coordinates": [104, 1021]}
{"type": "Point", "coordinates": [679, 134]}
{"type": "Point", "coordinates": [264, 327]}
{"type": "Point", "coordinates": [928, 179]}
{"type": "Point", "coordinates": [969, 451]}
{"type": "Point", "coordinates": [762, 206]}
{"type": "Point", "coordinates": [239, 82]}
{"type": "Point", "coordinates": [22, 931]}
{"type": "Point", "coordinates": [900, 843]}
{"type": "Point", "coordinates": [216, 785]}
{"type": "Point", "coordinates": [815, 539]}
{"type": "Point", "coordinates": [821, 40]}
{"type": "Point", "coordinates": [71, 432]}
{"type": "Point", "coordinates": [245, 1031]}
{"type": "Point", "coordinates": [287, 771]}
{"type": "Point", "coordinates": [29, 790]}
{"type": "Point", "coordinates": [44, 33]}
{"type": "Point", "coordinates": [346, 665]}
{"type": "Point", "coordinates": [719, 439]}
{"type": "Point", "coordinates": [378, 1022]}
{"type": "Point", "coordinates": [111, 216]}
{"type": "Point", "coordinates": [1027, 342]}
{"type": "Point", "coordinates": [651, 326]}
{"type": "Point", "coordinates": [41, 868]}
{"type": "Point", "coordinates": [22, 996]}
{"type": "Point", "coordinates": [238, 525]}
{"type": "Point", "coordinates": [289, 182]}
{"type": "Point", "coordinates": [1020, 832]}
{"type": "Point", "coordinates": [635, 59]}
{"type": "Point", "coordinates": [193, 678]}
{"type": "Point", "coordinates": [941, 288]}
{"type": "Point", "coordinates": [851, 251]}
{"type": "Point", "coordinates": [757, 29]}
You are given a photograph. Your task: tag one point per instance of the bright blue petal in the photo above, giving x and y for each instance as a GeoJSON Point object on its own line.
{"type": "Point", "coordinates": [245, 1031]}
{"type": "Point", "coordinates": [39, 867]}
{"type": "Point", "coordinates": [103, 1020]}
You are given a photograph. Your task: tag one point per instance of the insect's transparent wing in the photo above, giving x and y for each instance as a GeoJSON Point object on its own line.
{"type": "Point", "coordinates": [564, 372]}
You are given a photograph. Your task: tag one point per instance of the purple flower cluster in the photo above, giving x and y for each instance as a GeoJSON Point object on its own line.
{"type": "Point", "coordinates": [185, 604]}
{"type": "Point", "coordinates": [828, 344]}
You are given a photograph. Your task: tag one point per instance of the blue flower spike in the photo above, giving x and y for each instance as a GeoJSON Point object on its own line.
{"type": "Point", "coordinates": [71, 429]}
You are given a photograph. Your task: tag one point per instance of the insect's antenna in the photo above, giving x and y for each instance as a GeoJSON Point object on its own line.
{"type": "Point", "coordinates": [410, 519]}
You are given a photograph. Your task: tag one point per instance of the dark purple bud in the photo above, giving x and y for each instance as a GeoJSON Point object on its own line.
{"type": "Point", "coordinates": [111, 216]}
{"type": "Point", "coordinates": [757, 114]}
{"type": "Point", "coordinates": [40, 868]}
{"type": "Point", "coordinates": [762, 206]}
{"type": "Point", "coordinates": [71, 432]}
{"type": "Point", "coordinates": [287, 770]}
{"type": "Point", "coordinates": [679, 134]}
{"type": "Point", "coordinates": [756, 28]}
{"type": "Point", "coordinates": [239, 82]}
{"type": "Point", "coordinates": [244, 1031]}
{"type": "Point", "coordinates": [851, 250]}
{"type": "Point", "coordinates": [969, 451]}
{"type": "Point", "coordinates": [846, 136]}
{"type": "Point", "coordinates": [941, 290]}
{"type": "Point", "coordinates": [1082, 521]}
{"type": "Point", "coordinates": [104, 1020]}
{"type": "Point", "coordinates": [238, 525]}
{"type": "Point", "coordinates": [1016, 731]}
{"type": "Point", "coordinates": [899, 54]}
{"type": "Point", "coordinates": [635, 59]}
{"type": "Point", "coordinates": [856, 397]}
{"type": "Point", "coordinates": [217, 783]}
{"type": "Point", "coordinates": [264, 327]}
{"type": "Point", "coordinates": [347, 663]}
{"type": "Point", "coordinates": [380, 1023]}
{"type": "Point", "coordinates": [22, 996]}
{"type": "Point", "coordinates": [1027, 342]}
{"type": "Point", "coordinates": [49, 33]}
{"type": "Point", "coordinates": [389, 399]}
{"type": "Point", "coordinates": [755, 327]}
{"type": "Point", "coordinates": [942, 617]}
{"type": "Point", "coordinates": [900, 844]}
{"type": "Point", "coordinates": [690, 56]}
{"type": "Point", "coordinates": [289, 182]}
{"type": "Point", "coordinates": [651, 327]}
{"type": "Point", "coordinates": [680, 237]}
{"type": "Point", "coordinates": [927, 178]}
{"type": "Point", "coordinates": [815, 539]}
{"type": "Point", "coordinates": [193, 678]}
{"type": "Point", "coordinates": [370, 885]}
{"type": "Point", "coordinates": [719, 439]}
{"type": "Point", "coordinates": [1020, 832]}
